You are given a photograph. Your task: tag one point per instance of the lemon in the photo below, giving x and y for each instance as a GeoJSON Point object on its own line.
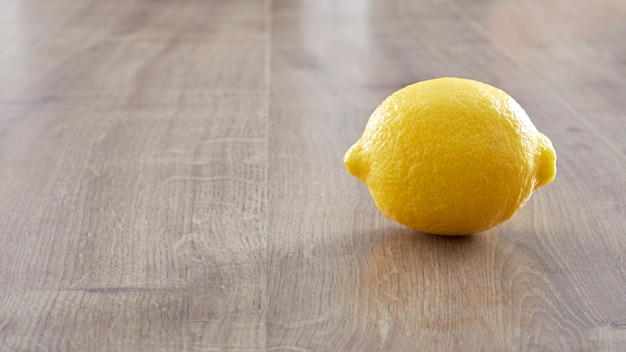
{"type": "Point", "coordinates": [451, 156]}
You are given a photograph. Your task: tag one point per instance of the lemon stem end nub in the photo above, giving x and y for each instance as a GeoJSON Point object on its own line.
{"type": "Point", "coordinates": [546, 163]}
{"type": "Point", "coordinates": [354, 162]}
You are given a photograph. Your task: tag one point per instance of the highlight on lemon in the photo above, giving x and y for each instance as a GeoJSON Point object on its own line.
{"type": "Point", "coordinates": [451, 156]}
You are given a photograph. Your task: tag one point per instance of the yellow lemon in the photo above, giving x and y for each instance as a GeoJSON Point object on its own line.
{"type": "Point", "coordinates": [451, 156]}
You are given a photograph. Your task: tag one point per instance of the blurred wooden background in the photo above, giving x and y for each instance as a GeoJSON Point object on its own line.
{"type": "Point", "coordinates": [171, 177]}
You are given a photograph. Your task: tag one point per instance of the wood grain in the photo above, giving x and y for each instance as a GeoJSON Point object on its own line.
{"type": "Point", "coordinates": [171, 178]}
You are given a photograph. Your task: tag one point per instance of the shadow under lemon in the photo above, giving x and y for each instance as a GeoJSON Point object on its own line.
{"type": "Point", "coordinates": [487, 290]}
{"type": "Point", "coordinates": [416, 286]}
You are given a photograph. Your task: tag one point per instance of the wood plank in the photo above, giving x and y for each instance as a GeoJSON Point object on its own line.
{"type": "Point", "coordinates": [133, 183]}
{"type": "Point", "coordinates": [343, 277]}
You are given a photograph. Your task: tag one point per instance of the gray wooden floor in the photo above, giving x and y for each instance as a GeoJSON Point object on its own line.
{"type": "Point", "coordinates": [171, 177]}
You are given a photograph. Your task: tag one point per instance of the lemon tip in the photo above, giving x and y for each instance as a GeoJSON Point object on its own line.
{"type": "Point", "coordinates": [546, 163]}
{"type": "Point", "coordinates": [353, 161]}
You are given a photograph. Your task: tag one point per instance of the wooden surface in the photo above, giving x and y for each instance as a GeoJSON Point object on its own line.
{"type": "Point", "coordinates": [171, 177]}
